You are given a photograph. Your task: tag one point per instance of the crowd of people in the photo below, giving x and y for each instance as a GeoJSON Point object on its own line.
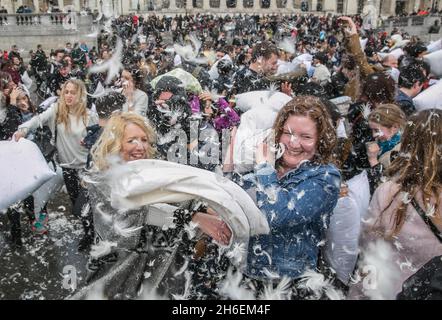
{"type": "Point", "coordinates": [328, 106]}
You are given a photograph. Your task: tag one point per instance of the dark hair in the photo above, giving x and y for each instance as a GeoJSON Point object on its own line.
{"type": "Point", "coordinates": [224, 66]}
{"type": "Point", "coordinates": [322, 57]}
{"type": "Point", "coordinates": [59, 51]}
{"type": "Point", "coordinates": [410, 75]}
{"type": "Point", "coordinates": [414, 49]}
{"type": "Point", "coordinates": [109, 103]}
{"type": "Point", "coordinates": [424, 65]}
{"type": "Point", "coordinates": [369, 52]}
{"type": "Point", "coordinates": [378, 88]}
{"type": "Point", "coordinates": [137, 75]}
{"type": "Point", "coordinates": [333, 111]}
{"type": "Point", "coordinates": [264, 49]}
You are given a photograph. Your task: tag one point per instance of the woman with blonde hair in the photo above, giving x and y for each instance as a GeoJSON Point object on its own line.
{"type": "Point", "coordinates": [144, 240]}
{"type": "Point", "coordinates": [405, 212]}
{"type": "Point", "coordinates": [108, 147]}
{"type": "Point", "coordinates": [386, 123]}
{"type": "Point", "coordinates": [67, 120]}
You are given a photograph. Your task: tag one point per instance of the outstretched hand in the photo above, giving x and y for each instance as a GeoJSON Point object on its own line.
{"type": "Point", "coordinates": [351, 28]}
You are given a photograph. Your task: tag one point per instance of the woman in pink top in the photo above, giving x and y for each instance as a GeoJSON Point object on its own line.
{"type": "Point", "coordinates": [396, 241]}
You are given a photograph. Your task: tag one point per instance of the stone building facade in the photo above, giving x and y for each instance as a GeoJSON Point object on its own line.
{"type": "Point", "coordinates": [384, 7]}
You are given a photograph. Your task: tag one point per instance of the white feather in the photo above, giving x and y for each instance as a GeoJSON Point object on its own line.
{"type": "Point", "coordinates": [287, 45]}
{"type": "Point", "coordinates": [113, 66]}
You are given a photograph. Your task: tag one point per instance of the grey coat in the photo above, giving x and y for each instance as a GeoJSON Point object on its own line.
{"type": "Point", "coordinates": [134, 250]}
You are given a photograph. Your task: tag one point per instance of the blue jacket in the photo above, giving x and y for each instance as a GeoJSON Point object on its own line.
{"type": "Point", "coordinates": [406, 103]}
{"type": "Point", "coordinates": [298, 209]}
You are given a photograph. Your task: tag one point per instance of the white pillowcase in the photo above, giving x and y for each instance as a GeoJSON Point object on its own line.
{"type": "Point", "coordinates": [23, 170]}
{"type": "Point", "coordinates": [429, 98]}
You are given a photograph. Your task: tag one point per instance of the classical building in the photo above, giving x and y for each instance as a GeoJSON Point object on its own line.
{"type": "Point", "coordinates": [384, 7]}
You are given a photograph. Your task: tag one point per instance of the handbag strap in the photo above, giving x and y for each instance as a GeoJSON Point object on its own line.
{"type": "Point", "coordinates": [427, 220]}
{"type": "Point", "coordinates": [56, 125]}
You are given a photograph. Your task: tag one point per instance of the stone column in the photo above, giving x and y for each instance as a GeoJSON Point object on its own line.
{"type": "Point", "coordinates": [314, 5]}
{"type": "Point", "coordinates": [240, 5]}
{"type": "Point", "coordinates": [329, 5]}
{"type": "Point", "coordinates": [172, 5]}
{"type": "Point", "coordinates": [189, 5]}
{"type": "Point", "coordinates": [351, 7]}
{"type": "Point", "coordinates": [222, 6]}
{"type": "Point", "coordinates": [256, 5]}
{"type": "Point", "coordinates": [273, 5]}
{"type": "Point", "coordinates": [36, 6]}
{"type": "Point", "coordinates": [61, 5]}
{"type": "Point", "coordinates": [417, 4]}
{"type": "Point", "coordinates": [206, 5]}
{"type": "Point", "coordinates": [126, 7]}
{"type": "Point", "coordinates": [289, 6]}
{"type": "Point", "coordinates": [77, 5]}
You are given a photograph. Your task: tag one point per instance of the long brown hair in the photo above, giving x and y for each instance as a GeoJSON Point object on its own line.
{"type": "Point", "coordinates": [313, 108]}
{"type": "Point", "coordinates": [388, 115]}
{"type": "Point", "coordinates": [79, 110]}
{"type": "Point", "coordinates": [419, 164]}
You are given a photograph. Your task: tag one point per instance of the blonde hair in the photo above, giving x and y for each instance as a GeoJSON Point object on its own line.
{"type": "Point", "coordinates": [388, 115]}
{"type": "Point", "coordinates": [79, 109]}
{"type": "Point", "coordinates": [111, 140]}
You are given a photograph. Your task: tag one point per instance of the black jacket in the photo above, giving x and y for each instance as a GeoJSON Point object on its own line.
{"type": "Point", "coordinates": [11, 123]}
{"type": "Point", "coordinates": [361, 134]}
{"type": "Point", "coordinates": [246, 80]}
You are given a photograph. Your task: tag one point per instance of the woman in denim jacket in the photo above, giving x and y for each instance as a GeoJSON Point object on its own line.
{"type": "Point", "coordinates": [298, 194]}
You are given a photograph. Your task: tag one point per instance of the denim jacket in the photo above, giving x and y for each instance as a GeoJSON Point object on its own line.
{"type": "Point", "coordinates": [298, 208]}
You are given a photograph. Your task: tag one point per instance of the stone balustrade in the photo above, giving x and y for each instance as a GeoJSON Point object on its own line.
{"type": "Point", "coordinates": [414, 25]}
{"type": "Point", "coordinates": [51, 30]}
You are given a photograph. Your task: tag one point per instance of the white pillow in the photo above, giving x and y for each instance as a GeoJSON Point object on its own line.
{"type": "Point", "coordinates": [341, 250]}
{"type": "Point", "coordinates": [43, 194]}
{"type": "Point", "coordinates": [434, 46]}
{"type": "Point", "coordinates": [429, 98]}
{"type": "Point", "coordinates": [434, 59]}
{"type": "Point", "coordinates": [23, 170]}
{"type": "Point", "coordinates": [255, 125]}
{"type": "Point", "coordinates": [363, 43]}
{"type": "Point", "coordinates": [264, 99]}
{"type": "Point", "coordinates": [397, 53]}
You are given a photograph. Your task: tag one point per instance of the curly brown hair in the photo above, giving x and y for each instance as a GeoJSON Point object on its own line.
{"type": "Point", "coordinates": [419, 164]}
{"type": "Point", "coordinates": [313, 108]}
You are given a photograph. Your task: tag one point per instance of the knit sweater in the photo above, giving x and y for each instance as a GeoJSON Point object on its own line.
{"type": "Point", "coordinates": [71, 154]}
